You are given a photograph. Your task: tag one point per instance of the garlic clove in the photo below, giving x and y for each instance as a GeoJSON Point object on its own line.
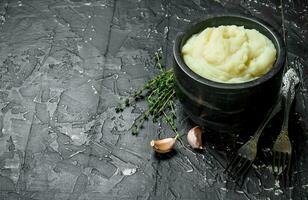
{"type": "Point", "coordinates": [194, 137]}
{"type": "Point", "coordinates": [163, 145]}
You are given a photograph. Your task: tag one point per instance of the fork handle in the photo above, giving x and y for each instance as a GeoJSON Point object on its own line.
{"type": "Point", "coordinates": [273, 111]}
{"type": "Point", "coordinates": [288, 99]}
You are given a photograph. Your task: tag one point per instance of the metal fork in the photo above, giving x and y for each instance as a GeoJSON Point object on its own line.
{"type": "Point", "coordinates": [282, 148]}
{"type": "Point", "coordinates": [246, 154]}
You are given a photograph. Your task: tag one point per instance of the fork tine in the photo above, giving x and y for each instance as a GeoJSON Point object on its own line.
{"type": "Point", "coordinates": [284, 156]}
{"type": "Point", "coordinates": [236, 165]}
{"type": "Point", "coordinates": [274, 161]}
{"type": "Point", "coordinates": [279, 163]}
{"type": "Point", "coordinates": [248, 167]}
{"type": "Point", "coordinates": [241, 167]}
{"type": "Point", "coordinates": [283, 173]}
{"type": "Point", "coordinates": [288, 175]}
{"type": "Point", "coordinates": [289, 163]}
{"type": "Point", "coordinates": [281, 166]}
{"type": "Point", "coordinates": [245, 172]}
{"type": "Point", "coordinates": [276, 165]}
{"type": "Point", "coordinates": [234, 159]}
{"type": "Point", "coordinates": [287, 180]}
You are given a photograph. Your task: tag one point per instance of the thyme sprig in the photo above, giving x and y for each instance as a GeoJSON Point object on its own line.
{"type": "Point", "coordinates": [159, 93]}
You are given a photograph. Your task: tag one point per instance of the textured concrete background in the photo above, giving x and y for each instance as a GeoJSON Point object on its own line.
{"type": "Point", "coordinates": [64, 64]}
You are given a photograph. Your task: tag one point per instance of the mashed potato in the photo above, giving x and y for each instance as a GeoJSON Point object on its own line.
{"type": "Point", "coordinates": [229, 54]}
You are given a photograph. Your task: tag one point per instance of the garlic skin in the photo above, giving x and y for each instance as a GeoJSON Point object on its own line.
{"type": "Point", "coordinates": [163, 145]}
{"type": "Point", "coordinates": [194, 137]}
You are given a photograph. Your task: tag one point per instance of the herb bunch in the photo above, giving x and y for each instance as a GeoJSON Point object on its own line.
{"type": "Point", "coordinates": [159, 93]}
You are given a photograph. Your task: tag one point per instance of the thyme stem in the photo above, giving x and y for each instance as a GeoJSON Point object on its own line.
{"type": "Point", "coordinates": [159, 93]}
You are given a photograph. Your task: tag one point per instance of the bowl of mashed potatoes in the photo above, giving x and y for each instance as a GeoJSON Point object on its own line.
{"type": "Point", "coordinates": [228, 71]}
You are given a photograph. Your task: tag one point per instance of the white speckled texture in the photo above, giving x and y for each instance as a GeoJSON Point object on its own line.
{"type": "Point", "coordinates": [64, 65]}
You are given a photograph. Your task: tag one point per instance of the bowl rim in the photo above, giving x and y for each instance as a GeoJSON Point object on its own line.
{"type": "Point", "coordinates": [279, 63]}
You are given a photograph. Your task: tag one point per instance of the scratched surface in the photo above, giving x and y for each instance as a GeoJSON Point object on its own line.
{"type": "Point", "coordinates": [63, 67]}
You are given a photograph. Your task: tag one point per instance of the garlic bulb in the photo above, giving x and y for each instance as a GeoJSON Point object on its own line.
{"type": "Point", "coordinates": [163, 145]}
{"type": "Point", "coordinates": [194, 137]}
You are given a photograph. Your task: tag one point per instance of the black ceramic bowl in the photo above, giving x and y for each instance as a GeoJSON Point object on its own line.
{"type": "Point", "coordinates": [225, 107]}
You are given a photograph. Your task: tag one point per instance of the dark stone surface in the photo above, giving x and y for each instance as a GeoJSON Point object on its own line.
{"type": "Point", "coordinates": [64, 66]}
